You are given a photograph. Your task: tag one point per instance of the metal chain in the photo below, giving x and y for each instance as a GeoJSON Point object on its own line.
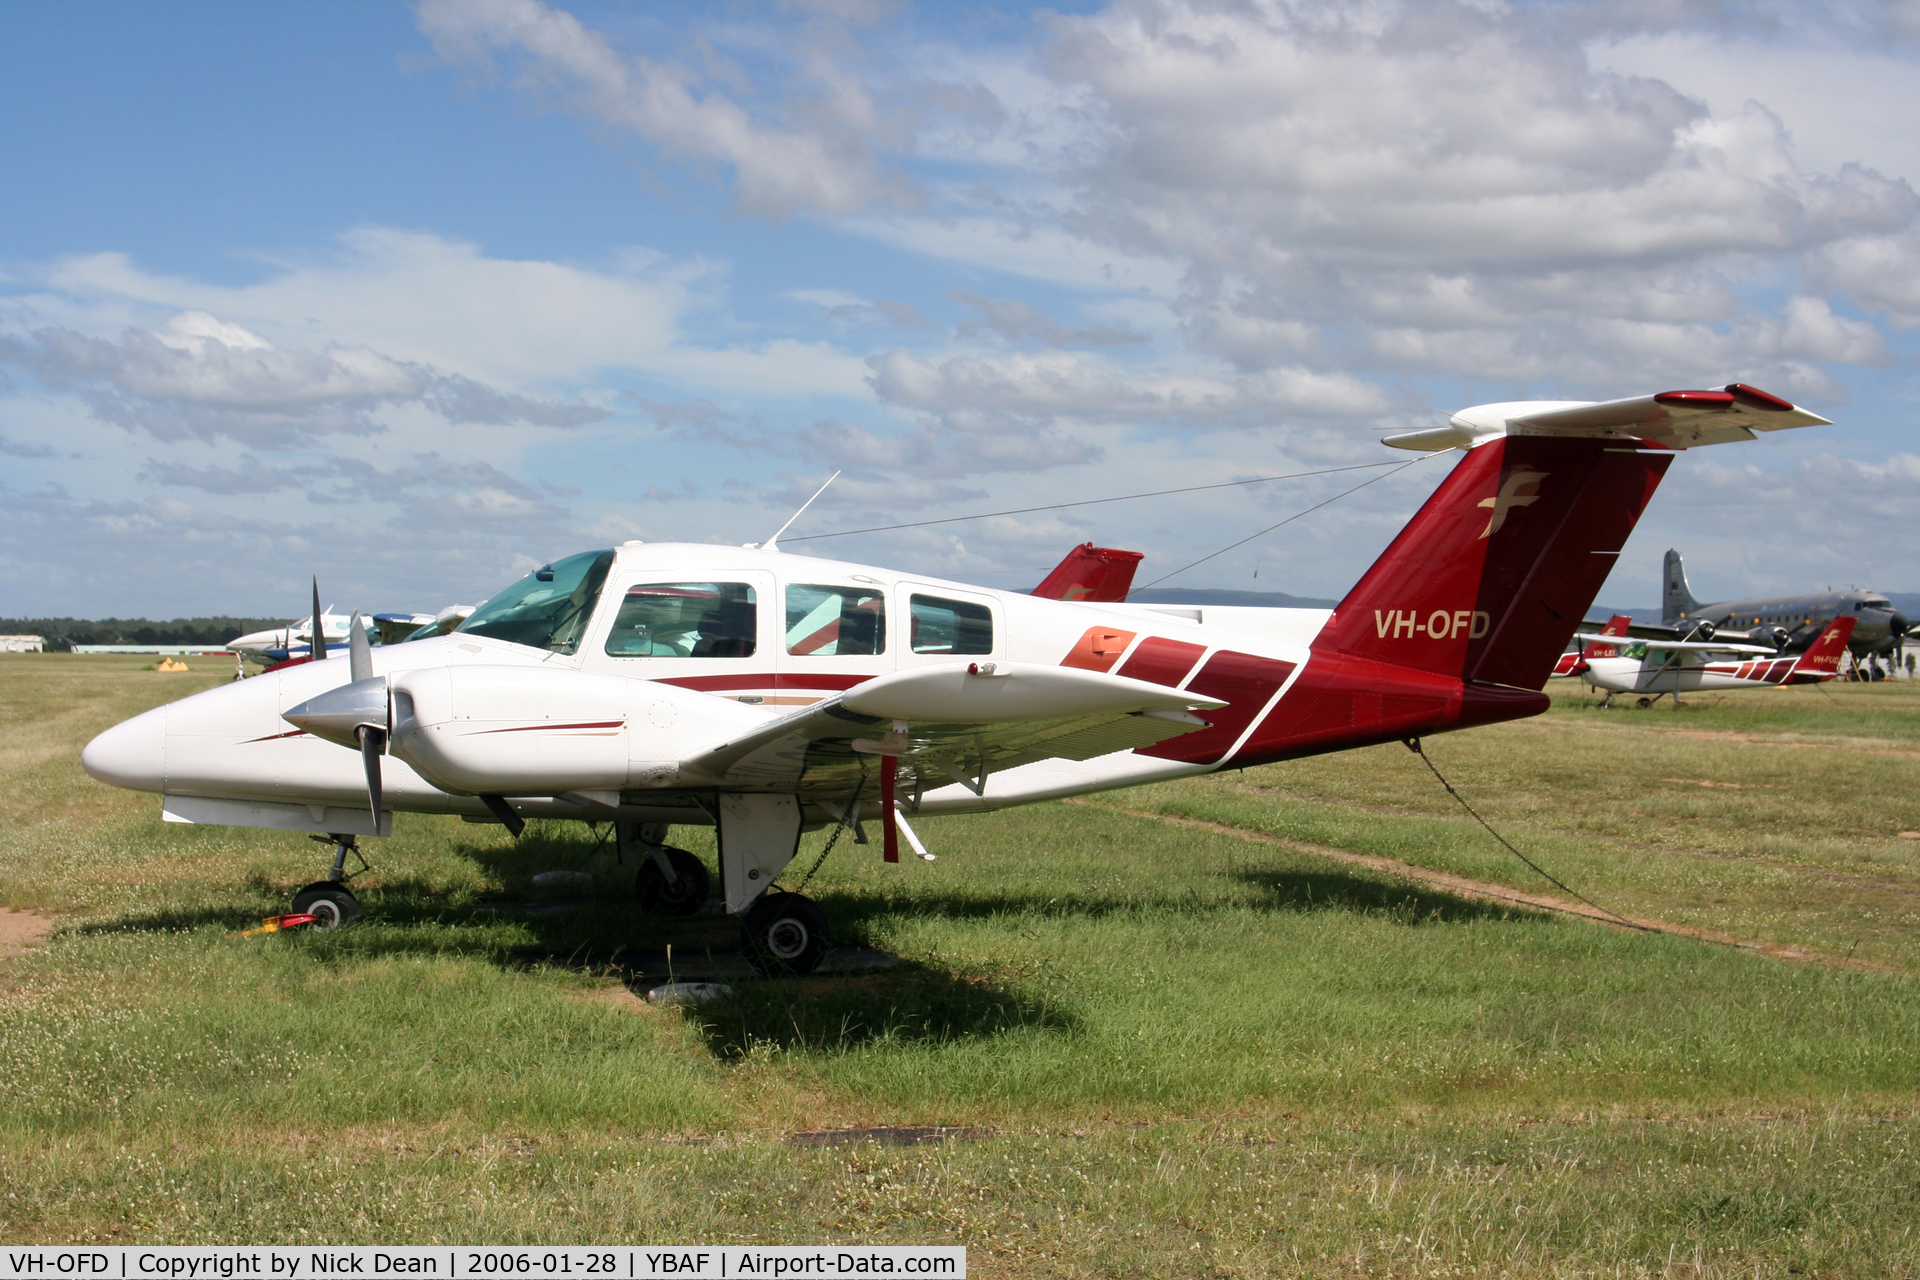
{"type": "Point", "coordinates": [839, 827]}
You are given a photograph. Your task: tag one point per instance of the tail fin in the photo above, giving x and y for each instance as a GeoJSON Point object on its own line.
{"type": "Point", "coordinates": [1821, 661]}
{"type": "Point", "coordinates": [1678, 601]}
{"type": "Point", "coordinates": [1491, 577]}
{"type": "Point", "coordinates": [1091, 573]}
{"type": "Point", "coordinates": [1616, 626]}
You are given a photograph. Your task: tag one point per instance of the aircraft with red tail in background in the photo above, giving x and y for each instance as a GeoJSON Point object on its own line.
{"type": "Point", "coordinates": [767, 694]}
{"type": "Point", "coordinates": [1574, 661]}
{"type": "Point", "coordinates": [1652, 669]}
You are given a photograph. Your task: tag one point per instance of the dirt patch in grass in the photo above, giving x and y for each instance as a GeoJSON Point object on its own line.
{"type": "Point", "coordinates": [1484, 891]}
{"type": "Point", "coordinates": [20, 930]}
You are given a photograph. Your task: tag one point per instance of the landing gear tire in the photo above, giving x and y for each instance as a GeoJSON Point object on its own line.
{"type": "Point", "coordinates": [1644, 703]}
{"type": "Point", "coordinates": [783, 935]}
{"type": "Point", "coordinates": [685, 896]}
{"type": "Point", "coordinates": [332, 906]}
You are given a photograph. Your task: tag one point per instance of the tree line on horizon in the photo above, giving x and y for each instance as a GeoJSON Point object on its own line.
{"type": "Point", "coordinates": [64, 633]}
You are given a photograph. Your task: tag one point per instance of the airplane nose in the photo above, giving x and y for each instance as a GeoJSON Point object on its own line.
{"type": "Point", "coordinates": [1896, 625]}
{"type": "Point", "coordinates": [132, 754]}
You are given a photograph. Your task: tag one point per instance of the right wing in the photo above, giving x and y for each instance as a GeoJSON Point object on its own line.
{"type": "Point", "coordinates": [951, 722]}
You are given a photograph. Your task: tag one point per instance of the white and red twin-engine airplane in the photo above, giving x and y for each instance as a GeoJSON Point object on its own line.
{"type": "Point", "coordinates": [768, 694]}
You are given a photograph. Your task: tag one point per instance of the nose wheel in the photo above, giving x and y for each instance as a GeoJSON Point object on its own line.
{"type": "Point", "coordinates": [330, 903]}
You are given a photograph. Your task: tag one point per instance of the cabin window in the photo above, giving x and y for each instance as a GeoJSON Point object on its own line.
{"type": "Point", "coordinates": [951, 626]}
{"type": "Point", "coordinates": [685, 620]}
{"type": "Point", "coordinates": [547, 609]}
{"type": "Point", "coordinates": [836, 621]}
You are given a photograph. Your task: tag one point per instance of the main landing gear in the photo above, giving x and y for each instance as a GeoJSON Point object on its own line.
{"type": "Point", "coordinates": [330, 903]}
{"type": "Point", "coordinates": [781, 934]}
{"type": "Point", "coordinates": [784, 934]}
{"type": "Point", "coordinates": [670, 882]}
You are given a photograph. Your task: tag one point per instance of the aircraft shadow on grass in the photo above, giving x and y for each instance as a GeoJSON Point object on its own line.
{"type": "Point", "coordinates": [1405, 903]}
{"type": "Point", "coordinates": [905, 1002]}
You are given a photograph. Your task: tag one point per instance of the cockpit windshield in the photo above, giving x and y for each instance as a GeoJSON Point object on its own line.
{"type": "Point", "coordinates": [547, 609]}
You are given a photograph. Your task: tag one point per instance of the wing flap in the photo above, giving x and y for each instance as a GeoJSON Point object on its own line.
{"type": "Point", "coordinates": [974, 717]}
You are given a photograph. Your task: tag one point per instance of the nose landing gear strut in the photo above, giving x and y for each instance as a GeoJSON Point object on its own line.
{"type": "Point", "coordinates": [329, 901]}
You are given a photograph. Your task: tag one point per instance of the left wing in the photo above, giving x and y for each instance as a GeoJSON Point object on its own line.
{"type": "Point", "coordinates": [951, 722]}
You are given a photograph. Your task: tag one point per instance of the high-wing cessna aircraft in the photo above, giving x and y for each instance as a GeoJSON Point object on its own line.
{"type": "Point", "coordinates": [1653, 668]}
{"type": "Point", "coordinates": [768, 694]}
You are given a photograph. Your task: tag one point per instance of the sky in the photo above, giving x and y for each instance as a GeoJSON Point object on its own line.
{"type": "Point", "coordinates": [416, 297]}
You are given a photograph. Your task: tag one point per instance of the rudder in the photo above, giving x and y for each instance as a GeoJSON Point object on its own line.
{"type": "Point", "coordinates": [1494, 573]}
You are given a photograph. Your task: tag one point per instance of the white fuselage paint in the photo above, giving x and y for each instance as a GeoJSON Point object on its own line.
{"type": "Point", "coordinates": [231, 744]}
{"type": "Point", "coordinates": [1651, 675]}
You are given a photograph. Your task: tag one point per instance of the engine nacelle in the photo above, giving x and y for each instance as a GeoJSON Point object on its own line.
{"type": "Point", "coordinates": [520, 731]}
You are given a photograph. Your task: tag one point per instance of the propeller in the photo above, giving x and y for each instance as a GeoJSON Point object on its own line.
{"type": "Point", "coordinates": [373, 739]}
{"type": "Point", "coordinates": [317, 625]}
{"type": "Point", "coordinates": [358, 714]}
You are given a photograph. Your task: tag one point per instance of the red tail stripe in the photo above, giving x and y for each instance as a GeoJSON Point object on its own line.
{"type": "Point", "coordinates": [1245, 683]}
{"type": "Point", "coordinates": [1162, 661]}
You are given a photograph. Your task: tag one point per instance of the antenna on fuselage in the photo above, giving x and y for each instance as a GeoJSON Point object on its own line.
{"type": "Point", "coordinates": [773, 543]}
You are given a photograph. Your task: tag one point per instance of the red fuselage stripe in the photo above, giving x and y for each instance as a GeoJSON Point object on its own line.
{"type": "Point", "coordinates": [530, 728]}
{"type": "Point", "coordinates": [767, 680]}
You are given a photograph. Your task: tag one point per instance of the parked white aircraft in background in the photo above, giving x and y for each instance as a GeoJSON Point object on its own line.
{"type": "Point", "coordinates": [275, 643]}
{"type": "Point", "coordinates": [1652, 669]}
{"type": "Point", "coordinates": [768, 694]}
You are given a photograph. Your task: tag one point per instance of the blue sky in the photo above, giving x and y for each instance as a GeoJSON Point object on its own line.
{"type": "Point", "coordinates": [415, 297]}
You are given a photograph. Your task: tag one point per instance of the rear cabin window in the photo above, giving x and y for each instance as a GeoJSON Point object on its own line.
{"type": "Point", "coordinates": [836, 621]}
{"type": "Point", "coordinates": [951, 626]}
{"type": "Point", "coordinates": [685, 620]}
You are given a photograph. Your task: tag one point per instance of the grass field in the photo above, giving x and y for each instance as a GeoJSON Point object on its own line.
{"type": "Point", "coordinates": [1175, 1034]}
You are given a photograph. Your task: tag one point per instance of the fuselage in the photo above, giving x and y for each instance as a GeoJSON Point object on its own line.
{"type": "Point", "coordinates": [1879, 628]}
{"type": "Point", "coordinates": [788, 643]}
{"type": "Point", "coordinates": [1650, 675]}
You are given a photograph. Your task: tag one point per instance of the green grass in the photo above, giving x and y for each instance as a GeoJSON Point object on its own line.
{"type": "Point", "coordinates": [1182, 1051]}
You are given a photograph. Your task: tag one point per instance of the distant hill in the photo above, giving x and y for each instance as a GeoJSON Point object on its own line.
{"type": "Point", "coordinates": [1241, 599]}
{"type": "Point", "coordinates": [63, 633]}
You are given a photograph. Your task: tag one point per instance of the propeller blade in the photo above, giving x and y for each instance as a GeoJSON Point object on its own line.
{"type": "Point", "coordinates": [359, 651]}
{"type": "Point", "coordinates": [372, 742]}
{"type": "Point", "coordinates": [317, 644]}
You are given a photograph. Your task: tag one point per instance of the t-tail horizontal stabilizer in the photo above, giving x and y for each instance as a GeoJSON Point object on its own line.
{"type": "Point", "coordinates": [1664, 420]}
{"type": "Point", "coordinates": [1464, 616]}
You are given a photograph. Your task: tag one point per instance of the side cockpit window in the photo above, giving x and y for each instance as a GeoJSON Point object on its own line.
{"type": "Point", "coordinates": [685, 620]}
{"type": "Point", "coordinates": [951, 626]}
{"type": "Point", "coordinates": [836, 621]}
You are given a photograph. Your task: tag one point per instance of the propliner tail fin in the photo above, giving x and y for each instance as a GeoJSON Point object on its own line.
{"type": "Point", "coordinates": [1676, 601]}
{"type": "Point", "coordinates": [1489, 580]}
